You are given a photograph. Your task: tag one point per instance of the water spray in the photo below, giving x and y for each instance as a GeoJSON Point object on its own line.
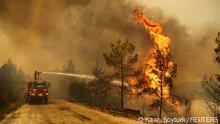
{"type": "Point", "coordinates": [71, 74]}
{"type": "Point", "coordinates": [85, 76]}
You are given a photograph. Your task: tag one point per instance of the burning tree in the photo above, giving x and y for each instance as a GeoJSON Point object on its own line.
{"type": "Point", "coordinates": [211, 86]}
{"type": "Point", "coordinates": [121, 57]}
{"type": "Point", "coordinates": [160, 68]}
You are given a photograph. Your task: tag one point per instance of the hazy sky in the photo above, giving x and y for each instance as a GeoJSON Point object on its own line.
{"type": "Point", "coordinates": [190, 12]}
{"type": "Point", "coordinates": [44, 34]}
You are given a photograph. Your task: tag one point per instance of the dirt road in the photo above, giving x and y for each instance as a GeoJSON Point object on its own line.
{"type": "Point", "coordinates": [61, 112]}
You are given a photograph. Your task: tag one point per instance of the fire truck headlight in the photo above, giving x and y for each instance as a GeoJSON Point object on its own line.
{"type": "Point", "coordinates": [47, 94]}
{"type": "Point", "coordinates": [33, 94]}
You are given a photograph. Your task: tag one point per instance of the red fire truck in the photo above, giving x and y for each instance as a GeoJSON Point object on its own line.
{"type": "Point", "coordinates": [37, 90]}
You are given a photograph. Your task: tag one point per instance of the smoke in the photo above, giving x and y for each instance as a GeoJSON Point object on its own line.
{"type": "Point", "coordinates": [42, 35]}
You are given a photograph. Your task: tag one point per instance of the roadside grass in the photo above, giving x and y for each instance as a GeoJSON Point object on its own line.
{"type": "Point", "coordinates": [4, 110]}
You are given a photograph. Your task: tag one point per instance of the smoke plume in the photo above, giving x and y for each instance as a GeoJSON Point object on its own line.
{"type": "Point", "coordinates": [44, 34]}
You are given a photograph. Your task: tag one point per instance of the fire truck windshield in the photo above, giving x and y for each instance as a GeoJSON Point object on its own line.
{"type": "Point", "coordinates": [39, 85]}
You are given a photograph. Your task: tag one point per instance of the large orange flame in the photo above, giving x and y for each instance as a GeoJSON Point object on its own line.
{"type": "Point", "coordinates": [161, 42]}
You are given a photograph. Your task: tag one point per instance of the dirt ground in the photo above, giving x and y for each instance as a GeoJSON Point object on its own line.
{"type": "Point", "coordinates": [62, 112]}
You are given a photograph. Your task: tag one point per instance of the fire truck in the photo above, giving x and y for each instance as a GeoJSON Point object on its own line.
{"type": "Point", "coordinates": [37, 90]}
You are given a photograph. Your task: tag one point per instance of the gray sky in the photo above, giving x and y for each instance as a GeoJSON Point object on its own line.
{"type": "Point", "coordinates": [190, 12]}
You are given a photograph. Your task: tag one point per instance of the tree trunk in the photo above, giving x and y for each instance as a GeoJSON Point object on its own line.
{"type": "Point", "coordinates": [122, 86]}
{"type": "Point", "coordinates": [219, 118]}
{"type": "Point", "coordinates": [161, 98]}
{"type": "Point", "coordinates": [95, 97]}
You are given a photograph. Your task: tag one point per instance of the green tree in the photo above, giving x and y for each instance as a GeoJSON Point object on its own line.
{"type": "Point", "coordinates": [69, 84]}
{"type": "Point", "coordinates": [99, 88]}
{"type": "Point", "coordinates": [121, 57]}
{"type": "Point", "coordinates": [69, 67]}
{"type": "Point", "coordinates": [77, 90]}
{"type": "Point", "coordinates": [98, 70]}
{"type": "Point", "coordinates": [11, 83]}
{"type": "Point", "coordinates": [217, 49]}
{"type": "Point", "coordinates": [211, 85]}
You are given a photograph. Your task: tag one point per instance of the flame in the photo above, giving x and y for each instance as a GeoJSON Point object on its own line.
{"type": "Point", "coordinates": [161, 42]}
{"type": "Point", "coordinates": [155, 30]}
{"type": "Point", "coordinates": [176, 104]}
{"type": "Point", "coordinates": [132, 81]}
{"type": "Point", "coordinates": [152, 73]}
